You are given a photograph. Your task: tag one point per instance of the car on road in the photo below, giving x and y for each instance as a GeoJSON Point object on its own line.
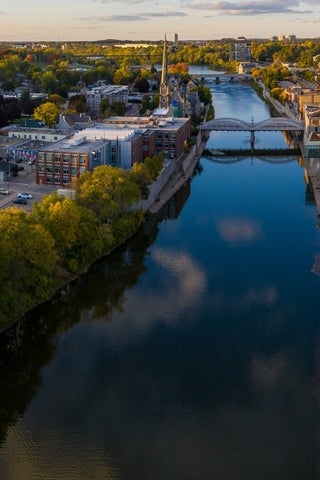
{"type": "Point", "coordinates": [20, 201]}
{"type": "Point", "coordinates": [25, 195]}
{"type": "Point", "coordinates": [4, 191]}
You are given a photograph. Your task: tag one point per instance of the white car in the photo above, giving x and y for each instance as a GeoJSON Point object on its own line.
{"type": "Point", "coordinates": [24, 195]}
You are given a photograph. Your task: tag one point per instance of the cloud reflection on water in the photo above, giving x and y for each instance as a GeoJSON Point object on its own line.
{"type": "Point", "coordinates": [239, 230]}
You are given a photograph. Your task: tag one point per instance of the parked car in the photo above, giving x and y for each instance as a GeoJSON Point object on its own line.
{"type": "Point", "coordinates": [31, 162]}
{"type": "Point", "coordinates": [20, 201]}
{"type": "Point", "coordinates": [25, 195]}
{"type": "Point", "coordinates": [20, 169]}
{"type": "Point", "coordinates": [4, 191]}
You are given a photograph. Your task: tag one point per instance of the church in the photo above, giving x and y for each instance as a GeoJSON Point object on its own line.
{"type": "Point", "coordinates": [176, 99]}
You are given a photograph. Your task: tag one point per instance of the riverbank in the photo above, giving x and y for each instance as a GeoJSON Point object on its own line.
{"type": "Point", "coordinates": [183, 171]}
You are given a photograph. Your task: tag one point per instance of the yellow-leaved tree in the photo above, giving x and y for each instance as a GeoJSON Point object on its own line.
{"type": "Point", "coordinates": [47, 112]}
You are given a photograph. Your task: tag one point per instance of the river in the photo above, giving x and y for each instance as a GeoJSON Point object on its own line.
{"type": "Point", "coordinates": [192, 352]}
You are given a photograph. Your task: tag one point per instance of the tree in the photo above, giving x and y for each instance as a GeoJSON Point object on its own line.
{"type": "Point", "coordinates": [56, 99]}
{"type": "Point", "coordinates": [74, 228]}
{"type": "Point", "coordinates": [47, 112]}
{"type": "Point", "coordinates": [48, 82]}
{"type": "Point", "coordinates": [107, 191]}
{"type": "Point", "coordinates": [142, 85]}
{"type": "Point", "coordinates": [78, 104]}
{"type": "Point", "coordinates": [26, 264]}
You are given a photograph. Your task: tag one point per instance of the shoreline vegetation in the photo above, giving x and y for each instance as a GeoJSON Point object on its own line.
{"type": "Point", "coordinates": [60, 238]}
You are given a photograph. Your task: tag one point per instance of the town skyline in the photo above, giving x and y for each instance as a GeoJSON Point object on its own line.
{"type": "Point", "coordinates": [136, 20]}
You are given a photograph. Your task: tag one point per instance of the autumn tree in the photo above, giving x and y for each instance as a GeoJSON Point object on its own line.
{"type": "Point", "coordinates": [107, 191]}
{"type": "Point", "coordinates": [75, 230]}
{"type": "Point", "coordinates": [47, 112]}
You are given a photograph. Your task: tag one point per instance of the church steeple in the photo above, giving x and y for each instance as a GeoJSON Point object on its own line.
{"type": "Point", "coordinates": [164, 98]}
{"type": "Point", "coordinates": [164, 62]}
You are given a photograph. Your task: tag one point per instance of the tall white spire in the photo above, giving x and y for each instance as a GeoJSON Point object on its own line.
{"type": "Point", "coordinates": [164, 62]}
{"type": "Point", "coordinates": [164, 97]}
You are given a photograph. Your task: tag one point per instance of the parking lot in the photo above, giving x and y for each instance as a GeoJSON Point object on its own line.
{"type": "Point", "coordinates": [25, 181]}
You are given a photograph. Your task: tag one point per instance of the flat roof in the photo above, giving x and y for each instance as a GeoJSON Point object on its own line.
{"type": "Point", "coordinates": [67, 146]}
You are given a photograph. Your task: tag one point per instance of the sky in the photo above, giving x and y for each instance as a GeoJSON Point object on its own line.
{"type": "Point", "coordinates": [87, 20]}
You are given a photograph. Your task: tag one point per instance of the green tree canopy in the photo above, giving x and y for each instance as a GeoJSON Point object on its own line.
{"type": "Point", "coordinates": [26, 264]}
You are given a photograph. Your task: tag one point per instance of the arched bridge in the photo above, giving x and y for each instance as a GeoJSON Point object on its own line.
{"type": "Point", "coordinates": [236, 125]}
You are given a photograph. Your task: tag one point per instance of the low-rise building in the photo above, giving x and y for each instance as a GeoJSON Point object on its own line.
{"type": "Point", "coordinates": [43, 134]}
{"type": "Point", "coordinates": [60, 163]}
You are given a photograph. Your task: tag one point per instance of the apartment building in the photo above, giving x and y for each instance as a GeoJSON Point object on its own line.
{"type": "Point", "coordinates": [240, 50]}
{"type": "Point", "coordinates": [114, 93]}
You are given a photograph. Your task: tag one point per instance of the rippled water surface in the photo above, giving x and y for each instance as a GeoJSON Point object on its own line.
{"type": "Point", "coordinates": [192, 353]}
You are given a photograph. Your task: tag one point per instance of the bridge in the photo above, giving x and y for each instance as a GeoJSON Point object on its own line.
{"type": "Point", "coordinates": [275, 124]}
{"type": "Point", "coordinates": [222, 76]}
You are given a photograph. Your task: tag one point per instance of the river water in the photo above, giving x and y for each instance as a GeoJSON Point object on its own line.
{"type": "Point", "coordinates": [191, 353]}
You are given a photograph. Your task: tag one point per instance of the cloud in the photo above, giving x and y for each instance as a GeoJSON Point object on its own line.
{"type": "Point", "coordinates": [137, 17]}
{"type": "Point", "coordinates": [250, 8]}
{"type": "Point", "coordinates": [166, 14]}
{"type": "Point", "coordinates": [113, 18]}
{"type": "Point", "coordinates": [239, 230]}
